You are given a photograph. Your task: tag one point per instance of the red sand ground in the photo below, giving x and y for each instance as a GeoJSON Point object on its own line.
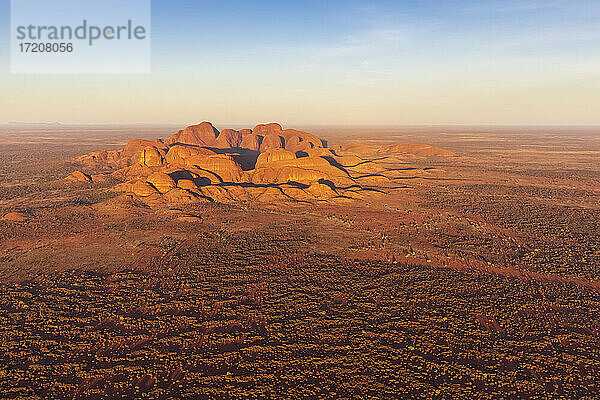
{"type": "Point", "coordinates": [471, 274]}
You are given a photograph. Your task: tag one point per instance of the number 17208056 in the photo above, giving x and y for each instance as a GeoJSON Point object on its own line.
{"type": "Point", "coordinates": [46, 47]}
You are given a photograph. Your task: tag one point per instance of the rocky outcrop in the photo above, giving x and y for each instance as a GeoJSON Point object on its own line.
{"type": "Point", "coordinates": [321, 191]}
{"type": "Point", "coordinates": [305, 170]}
{"type": "Point", "coordinates": [185, 155]}
{"type": "Point", "coordinates": [222, 166]}
{"type": "Point", "coordinates": [204, 134]}
{"type": "Point", "coordinates": [15, 217]}
{"type": "Point", "coordinates": [229, 138]}
{"type": "Point", "coordinates": [152, 157]}
{"type": "Point", "coordinates": [272, 128]}
{"type": "Point", "coordinates": [133, 150]}
{"type": "Point", "coordinates": [79, 176]}
{"type": "Point", "coordinates": [161, 182]}
{"type": "Point", "coordinates": [251, 142]}
{"type": "Point", "coordinates": [270, 142]}
{"type": "Point", "coordinates": [274, 155]}
{"type": "Point", "coordinates": [267, 163]}
{"type": "Point", "coordinates": [187, 184]}
{"type": "Point", "coordinates": [301, 141]}
{"type": "Point", "coordinates": [141, 189]}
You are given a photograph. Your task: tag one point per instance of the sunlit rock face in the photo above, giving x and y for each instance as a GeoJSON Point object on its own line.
{"type": "Point", "coordinates": [267, 163]}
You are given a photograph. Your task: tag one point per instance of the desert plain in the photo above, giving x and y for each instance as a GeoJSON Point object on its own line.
{"type": "Point", "coordinates": [351, 262]}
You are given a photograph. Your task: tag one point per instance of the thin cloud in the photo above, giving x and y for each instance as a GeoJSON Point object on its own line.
{"type": "Point", "coordinates": [522, 5]}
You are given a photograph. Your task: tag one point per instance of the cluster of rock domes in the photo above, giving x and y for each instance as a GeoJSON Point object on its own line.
{"type": "Point", "coordinates": [199, 163]}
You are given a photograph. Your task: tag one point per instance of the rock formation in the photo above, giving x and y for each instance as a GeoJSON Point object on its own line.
{"type": "Point", "coordinates": [15, 217]}
{"type": "Point", "coordinates": [199, 163]}
{"type": "Point", "coordinates": [79, 176]}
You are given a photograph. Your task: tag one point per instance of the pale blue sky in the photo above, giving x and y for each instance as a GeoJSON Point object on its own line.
{"type": "Point", "coordinates": [338, 62]}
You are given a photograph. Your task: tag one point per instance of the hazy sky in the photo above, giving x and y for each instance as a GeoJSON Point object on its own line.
{"type": "Point", "coordinates": [338, 62]}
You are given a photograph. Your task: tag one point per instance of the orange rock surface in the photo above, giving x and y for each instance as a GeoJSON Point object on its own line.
{"type": "Point", "coordinates": [15, 217]}
{"type": "Point", "coordinates": [267, 163]}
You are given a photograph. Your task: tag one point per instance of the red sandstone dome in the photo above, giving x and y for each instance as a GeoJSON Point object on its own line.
{"type": "Point", "coordinates": [185, 155]}
{"type": "Point", "coordinates": [273, 155]}
{"type": "Point", "coordinates": [161, 182]}
{"type": "Point", "coordinates": [229, 138]}
{"type": "Point", "coordinates": [203, 134]}
{"type": "Point", "coordinates": [272, 128]}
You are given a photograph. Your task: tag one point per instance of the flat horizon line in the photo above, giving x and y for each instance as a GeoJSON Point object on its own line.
{"type": "Point", "coordinates": [407, 125]}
